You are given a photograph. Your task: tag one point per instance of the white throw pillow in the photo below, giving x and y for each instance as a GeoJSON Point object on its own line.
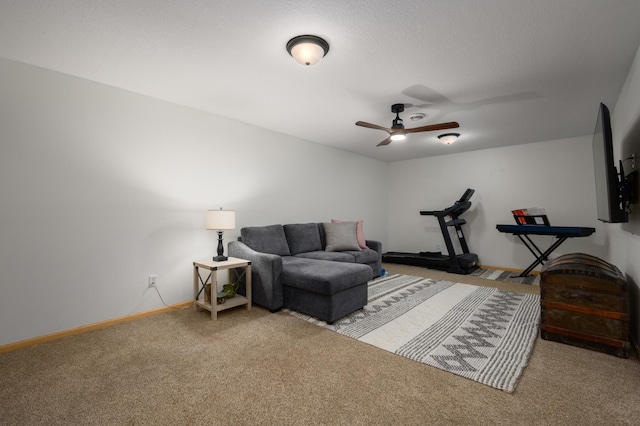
{"type": "Point", "coordinates": [359, 232]}
{"type": "Point", "coordinates": [341, 236]}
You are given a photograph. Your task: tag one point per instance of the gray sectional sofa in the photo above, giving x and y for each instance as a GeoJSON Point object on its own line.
{"type": "Point", "coordinates": [317, 269]}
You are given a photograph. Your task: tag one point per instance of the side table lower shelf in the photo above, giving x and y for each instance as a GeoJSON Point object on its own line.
{"type": "Point", "coordinates": [232, 264]}
{"type": "Point", "coordinates": [236, 300]}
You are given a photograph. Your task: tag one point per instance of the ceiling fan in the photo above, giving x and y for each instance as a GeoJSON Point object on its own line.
{"type": "Point", "coordinates": [398, 131]}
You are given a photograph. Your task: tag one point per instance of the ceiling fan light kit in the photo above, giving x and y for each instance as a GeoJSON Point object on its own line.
{"type": "Point", "coordinates": [307, 49]}
{"type": "Point", "coordinates": [398, 132]}
{"type": "Point", "coordinates": [448, 138]}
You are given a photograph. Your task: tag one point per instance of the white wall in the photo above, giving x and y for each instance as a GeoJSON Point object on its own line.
{"type": "Point", "coordinates": [557, 175]}
{"type": "Point", "coordinates": [625, 252]}
{"type": "Point", "coordinates": [100, 188]}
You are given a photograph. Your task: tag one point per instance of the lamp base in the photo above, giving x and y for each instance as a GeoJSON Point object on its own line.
{"type": "Point", "coordinates": [220, 257]}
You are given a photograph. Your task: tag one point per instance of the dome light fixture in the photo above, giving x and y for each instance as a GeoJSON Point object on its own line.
{"type": "Point", "coordinates": [307, 49]}
{"type": "Point", "coordinates": [398, 137]}
{"type": "Point", "coordinates": [448, 138]}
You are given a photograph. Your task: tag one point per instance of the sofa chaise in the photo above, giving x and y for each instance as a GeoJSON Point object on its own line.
{"type": "Point", "coordinates": [318, 269]}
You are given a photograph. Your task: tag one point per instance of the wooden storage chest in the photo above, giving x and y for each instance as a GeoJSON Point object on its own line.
{"type": "Point", "coordinates": [584, 302]}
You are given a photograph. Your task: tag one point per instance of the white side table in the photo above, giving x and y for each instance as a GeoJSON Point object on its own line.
{"type": "Point", "coordinates": [232, 264]}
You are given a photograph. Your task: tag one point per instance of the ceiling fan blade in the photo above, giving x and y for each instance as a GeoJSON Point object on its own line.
{"type": "Point", "coordinates": [372, 126]}
{"type": "Point", "coordinates": [387, 141]}
{"type": "Point", "coordinates": [431, 127]}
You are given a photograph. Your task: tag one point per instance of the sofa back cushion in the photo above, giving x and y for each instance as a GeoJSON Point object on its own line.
{"type": "Point", "coordinates": [303, 237]}
{"type": "Point", "coordinates": [266, 239]}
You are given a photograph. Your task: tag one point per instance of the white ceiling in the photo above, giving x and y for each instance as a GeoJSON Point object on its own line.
{"type": "Point", "coordinates": [509, 71]}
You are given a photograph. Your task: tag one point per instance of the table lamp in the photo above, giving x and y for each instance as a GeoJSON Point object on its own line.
{"type": "Point", "coordinates": [220, 220]}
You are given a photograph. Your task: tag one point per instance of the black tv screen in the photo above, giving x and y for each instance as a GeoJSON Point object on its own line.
{"type": "Point", "coordinates": [611, 207]}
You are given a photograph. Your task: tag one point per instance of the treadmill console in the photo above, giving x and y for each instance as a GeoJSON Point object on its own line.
{"type": "Point", "coordinates": [467, 195]}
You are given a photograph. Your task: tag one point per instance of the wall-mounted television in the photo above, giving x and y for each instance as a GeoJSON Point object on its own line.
{"type": "Point", "coordinates": [610, 193]}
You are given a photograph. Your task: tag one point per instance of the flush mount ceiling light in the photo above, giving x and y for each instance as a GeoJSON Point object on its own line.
{"type": "Point", "coordinates": [307, 49]}
{"type": "Point", "coordinates": [448, 138]}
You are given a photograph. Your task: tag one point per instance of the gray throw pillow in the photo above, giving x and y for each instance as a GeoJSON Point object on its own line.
{"type": "Point", "coordinates": [341, 236]}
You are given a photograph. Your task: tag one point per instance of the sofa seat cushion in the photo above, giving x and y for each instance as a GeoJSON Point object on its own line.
{"type": "Point", "coordinates": [335, 256]}
{"type": "Point", "coordinates": [266, 239]}
{"type": "Point", "coordinates": [303, 237]}
{"type": "Point", "coordinates": [321, 276]}
{"type": "Point", "coordinates": [364, 256]}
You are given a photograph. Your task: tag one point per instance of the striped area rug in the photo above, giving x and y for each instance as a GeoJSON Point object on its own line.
{"type": "Point", "coordinates": [510, 276]}
{"type": "Point", "coordinates": [480, 333]}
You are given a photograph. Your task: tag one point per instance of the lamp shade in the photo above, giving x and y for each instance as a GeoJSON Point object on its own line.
{"type": "Point", "coordinates": [221, 219]}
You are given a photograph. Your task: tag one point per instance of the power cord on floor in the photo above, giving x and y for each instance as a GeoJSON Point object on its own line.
{"type": "Point", "coordinates": [163, 302]}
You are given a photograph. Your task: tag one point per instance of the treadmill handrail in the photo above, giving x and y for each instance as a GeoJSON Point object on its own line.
{"type": "Point", "coordinates": [458, 208]}
{"type": "Point", "coordinates": [456, 222]}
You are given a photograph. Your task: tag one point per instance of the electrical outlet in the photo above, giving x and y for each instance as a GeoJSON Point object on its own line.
{"type": "Point", "coordinates": [153, 280]}
{"type": "Point", "coordinates": [438, 247]}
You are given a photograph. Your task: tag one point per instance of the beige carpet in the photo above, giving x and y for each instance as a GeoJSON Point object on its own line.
{"type": "Point", "coordinates": [257, 368]}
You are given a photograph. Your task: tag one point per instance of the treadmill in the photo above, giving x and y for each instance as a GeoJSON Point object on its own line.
{"type": "Point", "coordinates": [463, 263]}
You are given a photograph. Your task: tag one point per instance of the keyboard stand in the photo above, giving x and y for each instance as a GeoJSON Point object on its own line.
{"type": "Point", "coordinates": [562, 233]}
